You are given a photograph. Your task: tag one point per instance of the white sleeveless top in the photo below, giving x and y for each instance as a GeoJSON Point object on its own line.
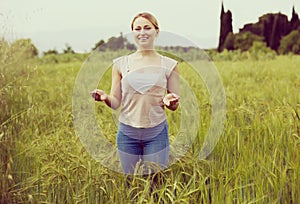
{"type": "Point", "coordinates": [143, 90]}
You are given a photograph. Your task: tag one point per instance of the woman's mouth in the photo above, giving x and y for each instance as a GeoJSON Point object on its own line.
{"type": "Point", "coordinates": [143, 38]}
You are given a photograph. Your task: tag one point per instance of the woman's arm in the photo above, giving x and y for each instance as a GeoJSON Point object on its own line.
{"type": "Point", "coordinates": [112, 100]}
{"type": "Point", "coordinates": [173, 89]}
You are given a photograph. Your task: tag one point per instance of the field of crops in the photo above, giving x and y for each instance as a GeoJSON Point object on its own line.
{"type": "Point", "coordinates": [256, 160]}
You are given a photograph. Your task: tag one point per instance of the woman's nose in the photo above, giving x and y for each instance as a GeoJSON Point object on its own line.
{"type": "Point", "coordinates": [142, 31]}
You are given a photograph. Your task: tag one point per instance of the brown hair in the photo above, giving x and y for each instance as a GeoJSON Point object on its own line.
{"type": "Point", "coordinates": [147, 16]}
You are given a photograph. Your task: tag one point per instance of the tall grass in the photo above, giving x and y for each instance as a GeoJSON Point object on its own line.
{"type": "Point", "coordinates": [255, 161]}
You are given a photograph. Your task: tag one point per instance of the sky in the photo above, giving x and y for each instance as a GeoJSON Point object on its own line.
{"type": "Point", "coordinates": [52, 24]}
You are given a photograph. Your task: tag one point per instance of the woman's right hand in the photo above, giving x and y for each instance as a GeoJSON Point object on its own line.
{"type": "Point", "coordinates": [99, 95]}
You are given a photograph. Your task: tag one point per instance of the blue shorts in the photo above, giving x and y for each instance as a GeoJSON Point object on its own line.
{"type": "Point", "coordinates": [143, 146]}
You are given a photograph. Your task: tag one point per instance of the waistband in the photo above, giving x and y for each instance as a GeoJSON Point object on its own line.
{"type": "Point", "coordinates": [142, 133]}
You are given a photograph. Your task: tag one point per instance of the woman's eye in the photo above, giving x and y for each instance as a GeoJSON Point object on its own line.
{"type": "Point", "coordinates": [144, 28]}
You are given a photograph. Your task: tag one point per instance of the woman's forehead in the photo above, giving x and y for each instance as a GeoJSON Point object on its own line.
{"type": "Point", "coordinates": [141, 21]}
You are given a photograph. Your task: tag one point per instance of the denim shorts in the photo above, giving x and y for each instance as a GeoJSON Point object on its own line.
{"type": "Point", "coordinates": [140, 145]}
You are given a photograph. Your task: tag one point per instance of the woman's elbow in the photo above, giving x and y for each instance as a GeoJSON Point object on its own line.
{"type": "Point", "coordinates": [115, 106]}
{"type": "Point", "coordinates": [115, 103]}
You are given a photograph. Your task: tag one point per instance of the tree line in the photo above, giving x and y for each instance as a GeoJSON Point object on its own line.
{"type": "Point", "coordinates": [273, 30]}
{"type": "Point", "coordinates": [243, 42]}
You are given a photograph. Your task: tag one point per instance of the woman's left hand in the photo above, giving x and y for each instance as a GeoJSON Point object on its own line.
{"type": "Point", "coordinates": [171, 99]}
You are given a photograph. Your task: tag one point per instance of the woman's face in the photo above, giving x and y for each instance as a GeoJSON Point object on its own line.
{"type": "Point", "coordinates": [144, 33]}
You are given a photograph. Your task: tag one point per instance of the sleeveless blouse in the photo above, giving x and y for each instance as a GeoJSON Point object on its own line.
{"type": "Point", "coordinates": [143, 90]}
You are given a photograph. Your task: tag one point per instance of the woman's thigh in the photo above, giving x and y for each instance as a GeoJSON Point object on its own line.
{"type": "Point", "coordinates": [129, 151]}
{"type": "Point", "coordinates": [157, 149]}
{"type": "Point", "coordinates": [150, 150]}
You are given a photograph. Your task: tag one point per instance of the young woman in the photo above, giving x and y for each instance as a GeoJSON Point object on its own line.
{"type": "Point", "coordinates": [143, 84]}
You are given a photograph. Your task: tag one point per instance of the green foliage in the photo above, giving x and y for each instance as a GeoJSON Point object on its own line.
{"type": "Point", "coordinates": [115, 43]}
{"type": "Point", "coordinates": [229, 41]}
{"type": "Point", "coordinates": [5, 53]}
{"type": "Point", "coordinates": [260, 51]}
{"type": "Point", "coordinates": [226, 55]}
{"type": "Point", "coordinates": [19, 50]}
{"type": "Point", "coordinates": [98, 45]}
{"type": "Point", "coordinates": [24, 48]}
{"type": "Point", "coordinates": [257, 52]}
{"type": "Point", "coordinates": [290, 43]}
{"type": "Point", "coordinates": [68, 49]}
{"type": "Point", "coordinates": [256, 160]}
{"type": "Point", "coordinates": [50, 52]}
{"type": "Point", "coordinates": [243, 41]}
{"type": "Point", "coordinates": [63, 58]}
{"type": "Point", "coordinates": [16, 68]}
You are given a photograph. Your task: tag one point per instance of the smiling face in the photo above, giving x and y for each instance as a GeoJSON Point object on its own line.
{"type": "Point", "coordinates": [144, 33]}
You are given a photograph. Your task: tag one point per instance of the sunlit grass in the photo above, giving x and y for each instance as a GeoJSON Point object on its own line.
{"type": "Point", "coordinates": [255, 161]}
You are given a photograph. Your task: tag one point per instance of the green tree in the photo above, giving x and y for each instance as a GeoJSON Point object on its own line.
{"type": "Point", "coordinates": [290, 43]}
{"type": "Point", "coordinates": [49, 52]}
{"type": "Point", "coordinates": [116, 43]}
{"type": "Point", "coordinates": [99, 46]}
{"type": "Point", "coordinates": [243, 41]}
{"type": "Point", "coordinates": [68, 49]}
{"type": "Point", "coordinates": [229, 41]}
{"type": "Point", "coordinates": [24, 48]}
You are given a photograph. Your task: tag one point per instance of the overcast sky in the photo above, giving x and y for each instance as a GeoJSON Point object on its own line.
{"type": "Point", "coordinates": [51, 24]}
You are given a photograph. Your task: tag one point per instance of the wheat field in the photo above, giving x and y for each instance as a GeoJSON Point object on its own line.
{"type": "Point", "coordinates": [256, 160]}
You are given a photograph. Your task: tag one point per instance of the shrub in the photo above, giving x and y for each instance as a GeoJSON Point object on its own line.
{"type": "Point", "coordinates": [244, 41]}
{"type": "Point", "coordinates": [23, 48]}
{"type": "Point", "coordinates": [260, 51]}
{"type": "Point", "coordinates": [229, 41]}
{"type": "Point", "coordinates": [290, 43]}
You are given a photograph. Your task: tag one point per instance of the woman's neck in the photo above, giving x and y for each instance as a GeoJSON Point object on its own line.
{"type": "Point", "coordinates": [146, 52]}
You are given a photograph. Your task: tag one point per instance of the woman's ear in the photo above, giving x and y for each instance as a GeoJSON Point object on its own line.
{"type": "Point", "coordinates": [157, 31]}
